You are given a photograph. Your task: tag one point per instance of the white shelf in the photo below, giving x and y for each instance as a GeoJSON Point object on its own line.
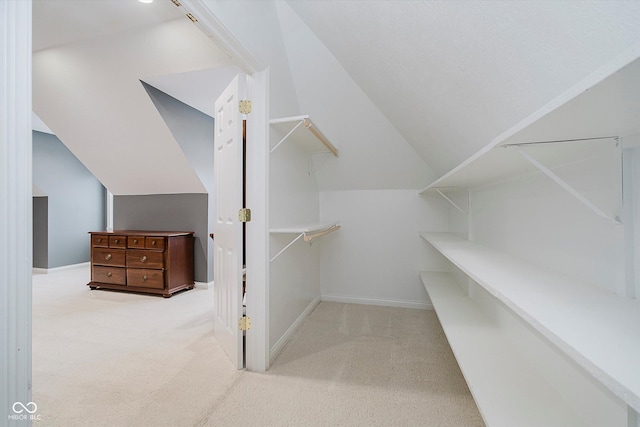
{"type": "Point", "coordinates": [506, 388]}
{"type": "Point", "coordinates": [600, 106]}
{"type": "Point", "coordinates": [303, 132]}
{"type": "Point", "coordinates": [306, 228]}
{"type": "Point", "coordinates": [306, 232]}
{"type": "Point", "coordinates": [595, 328]}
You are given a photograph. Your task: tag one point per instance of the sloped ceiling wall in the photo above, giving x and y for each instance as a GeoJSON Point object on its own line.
{"type": "Point", "coordinates": [305, 78]}
{"type": "Point", "coordinates": [88, 92]}
{"type": "Point", "coordinates": [452, 75]}
{"type": "Point", "coordinates": [373, 154]}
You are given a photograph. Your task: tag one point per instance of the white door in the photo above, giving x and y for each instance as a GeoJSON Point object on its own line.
{"type": "Point", "coordinates": [228, 244]}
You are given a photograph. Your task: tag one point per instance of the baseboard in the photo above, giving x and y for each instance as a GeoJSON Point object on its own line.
{"type": "Point", "coordinates": [277, 348]}
{"type": "Point", "coordinates": [420, 305]}
{"type": "Point", "coordinates": [36, 270]}
{"type": "Point", "coordinates": [204, 285]}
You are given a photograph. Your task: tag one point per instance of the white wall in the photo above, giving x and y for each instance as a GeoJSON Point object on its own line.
{"type": "Point", "coordinates": [294, 283]}
{"type": "Point", "coordinates": [376, 256]}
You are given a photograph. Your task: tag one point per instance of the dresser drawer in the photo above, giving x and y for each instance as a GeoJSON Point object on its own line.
{"type": "Point", "coordinates": [135, 242]}
{"type": "Point", "coordinates": [145, 278]}
{"type": "Point", "coordinates": [145, 259]}
{"type": "Point", "coordinates": [154, 243]}
{"type": "Point", "coordinates": [100, 240]}
{"type": "Point", "coordinates": [108, 256]}
{"type": "Point", "coordinates": [118, 242]}
{"type": "Point", "coordinates": [114, 275]}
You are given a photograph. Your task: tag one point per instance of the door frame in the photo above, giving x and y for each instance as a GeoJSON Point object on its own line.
{"type": "Point", "coordinates": [257, 233]}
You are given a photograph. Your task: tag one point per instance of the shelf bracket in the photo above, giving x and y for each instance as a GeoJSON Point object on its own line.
{"type": "Point", "coordinates": [449, 200]}
{"type": "Point", "coordinates": [575, 193]}
{"type": "Point", "coordinates": [287, 247]}
{"type": "Point", "coordinates": [287, 135]}
{"type": "Point", "coordinates": [304, 120]}
{"type": "Point", "coordinates": [308, 237]}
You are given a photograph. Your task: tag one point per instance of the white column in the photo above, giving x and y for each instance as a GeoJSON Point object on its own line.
{"type": "Point", "coordinates": [15, 209]}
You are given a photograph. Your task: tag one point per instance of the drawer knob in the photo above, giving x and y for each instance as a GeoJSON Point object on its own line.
{"type": "Point", "coordinates": [117, 241]}
{"type": "Point", "coordinates": [135, 241]}
{"type": "Point", "coordinates": [144, 278]}
{"type": "Point", "coordinates": [107, 257]}
{"type": "Point", "coordinates": [99, 240]}
{"type": "Point", "coordinates": [143, 259]}
{"type": "Point", "coordinates": [108, 274]}
{"type": "Point", "coordinates": [153, 243]}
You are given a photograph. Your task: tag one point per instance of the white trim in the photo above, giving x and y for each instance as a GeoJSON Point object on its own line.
{"type": "Point", "coordinates": [213, 27]}
{"type": "Point", "coordinates": [277, 348]}
{"type": "Point", "coordinates": [257, 237]}
{"type": "Point", "coordinates": [36, 270]}
{"type": "Point", "coordinates": [16, 206]}
{"type": "Point", "coordinates": [204, 285]}
{"type": "Point", "coordinates": [419, 305]}
{"type": "Point", "coordinates": [108, 210]}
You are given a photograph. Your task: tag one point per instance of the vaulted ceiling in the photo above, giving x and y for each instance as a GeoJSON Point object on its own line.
{"type": "Point", "coordinates": [88, 63]}
{"type": "Point", "coordinates": [444, 78]}
{"type": "Point", "coordinates": [452, 75]}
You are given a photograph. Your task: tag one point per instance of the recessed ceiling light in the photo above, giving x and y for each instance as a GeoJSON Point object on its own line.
{"type": "Point", "coordinates": [145, 1]}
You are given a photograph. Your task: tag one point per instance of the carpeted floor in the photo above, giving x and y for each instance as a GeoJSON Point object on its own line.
{"type": "Point", "coordinates": [104, 358]}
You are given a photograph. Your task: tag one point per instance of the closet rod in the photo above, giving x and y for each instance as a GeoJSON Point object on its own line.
{"type": "Point", "coordinates": [517, 144]}
{"type": "Point", "coordinates": [310, 237]}
{"type": "Point", "coordinates": [320, 136]}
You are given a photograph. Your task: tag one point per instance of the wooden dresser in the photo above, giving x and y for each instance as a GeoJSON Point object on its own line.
{"type": "Point", "coordinates": [157, 262]}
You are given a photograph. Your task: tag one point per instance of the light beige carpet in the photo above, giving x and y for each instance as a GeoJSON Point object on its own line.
{"type": "Point", "coordinates": [114, 359]}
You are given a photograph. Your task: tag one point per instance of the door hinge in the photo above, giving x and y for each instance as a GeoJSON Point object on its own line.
{"type": "Point", "coordinates": [245, 106]}
{"type": "Point", "coordinates": [244, 323]}
{"type": "Point", "coordinates": [244, 215]}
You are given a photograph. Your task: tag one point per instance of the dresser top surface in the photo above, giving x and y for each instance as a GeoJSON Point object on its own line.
{"type": "Point", "coordinates": [143, 233]}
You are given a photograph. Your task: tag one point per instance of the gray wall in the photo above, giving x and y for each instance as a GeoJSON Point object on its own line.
{"type": "Point", "coordinates": [75, 202]}
{"type": "Point", "coordinates": [167, 212]}
{"type": "Point", "coordinates": [41, 232]}
{"type": "Point", "coordinates": [193, 130]}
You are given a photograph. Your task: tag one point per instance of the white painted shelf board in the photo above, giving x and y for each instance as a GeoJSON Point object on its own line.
{"type": "Point", "coordinates": [306, 228]}
{"type": "Point", "coordinates": [506, 387]}
{"type": "Point", "coordinates": [611, 107]}
{"type": "Point", "coordinates": [597, 329]}
{"type": "Point", "coordinates": [308, 139]}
